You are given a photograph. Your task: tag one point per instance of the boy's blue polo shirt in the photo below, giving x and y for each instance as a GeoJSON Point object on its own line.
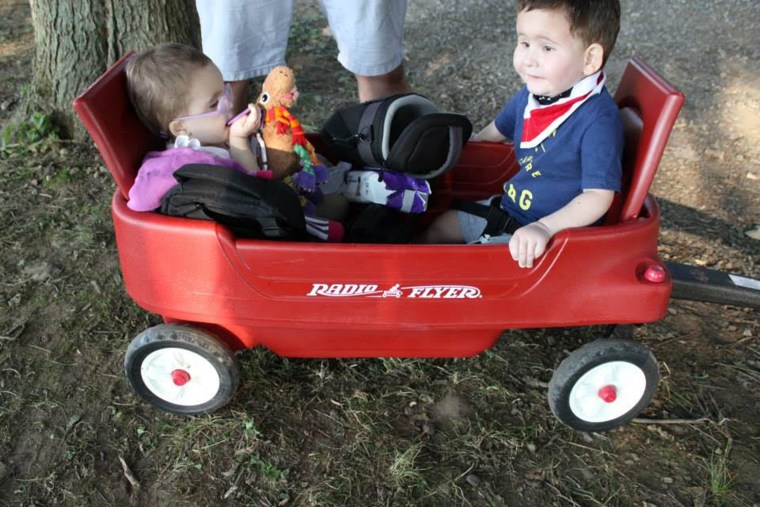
{"type": "Point", "coordinates": [584, 152]}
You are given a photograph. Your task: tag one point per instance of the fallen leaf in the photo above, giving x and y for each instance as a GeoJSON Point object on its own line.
{"type": "Point", "coordinates": [754, 233]}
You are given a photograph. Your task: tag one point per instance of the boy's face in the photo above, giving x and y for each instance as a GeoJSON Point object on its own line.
{"type": "Point", "coordinates": [548, 58]}
{"type": "Point", "coordinates": [207, 108]}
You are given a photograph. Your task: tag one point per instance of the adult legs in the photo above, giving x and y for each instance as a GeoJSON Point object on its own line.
{"type": "Point", "coordinates": [245, 39]}
{"type": "Point", "coordinates": [248, 38]}
{"type": "Point", "coordinates": [370, 34]}
{"type": "Point", "coordinates": [373, 87]}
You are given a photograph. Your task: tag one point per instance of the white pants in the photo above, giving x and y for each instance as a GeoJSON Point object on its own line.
{"type": "Point", "coordinates": [247, 38]}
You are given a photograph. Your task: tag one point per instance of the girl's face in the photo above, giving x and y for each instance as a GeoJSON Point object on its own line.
{"type": "Point", "coordinates": [207, 109]}
{"type": "Point", "coordinates": [548, 58]}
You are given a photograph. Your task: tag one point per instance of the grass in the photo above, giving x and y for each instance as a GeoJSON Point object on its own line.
{"type": "Point", "coordinates": [404, 432]}
{"type": "Point", "coordinates": [404, 471]}
{"type": "Point", "coordinates": [473, 431]}
{"type": "Point", "coordinates": [719, 476]}
{"type": "Point", "coordinates": [28, 134]}
{"type": "Point", "coordinates": [307, 31]}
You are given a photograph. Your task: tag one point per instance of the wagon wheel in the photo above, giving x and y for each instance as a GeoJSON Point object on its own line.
{"type": "Point", "coordinates": [603, 385]}
{"type": "Point", "coordinates": [181, 369]}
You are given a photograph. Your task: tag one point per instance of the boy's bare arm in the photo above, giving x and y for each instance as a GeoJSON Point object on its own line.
{"type": "Point", "coordinates": [529, 242]}
{"type": "Point", "coordinates": [585, 209]}
{"type": "Point", "coordinates": [490, 133]}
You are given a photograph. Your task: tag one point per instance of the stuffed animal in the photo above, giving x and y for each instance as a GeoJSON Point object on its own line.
{"type": "Point", "coordinates": [288, 151]}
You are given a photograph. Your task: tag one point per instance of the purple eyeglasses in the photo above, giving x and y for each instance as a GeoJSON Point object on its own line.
{"type": "Point", "coordinates": [223, 107]}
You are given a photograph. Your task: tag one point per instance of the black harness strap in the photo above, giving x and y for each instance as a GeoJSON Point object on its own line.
{"type": "Point", "coordinates": [498, 221]}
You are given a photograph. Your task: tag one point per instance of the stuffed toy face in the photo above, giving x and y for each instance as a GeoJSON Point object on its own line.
{"type": "Point", "coordinates": [279, 89]}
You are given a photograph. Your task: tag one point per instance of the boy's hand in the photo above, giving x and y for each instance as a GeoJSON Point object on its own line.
{"type": "Point", "coordinates": [528, 243]}
{"type": "Point", "coordinates": [247, 125]}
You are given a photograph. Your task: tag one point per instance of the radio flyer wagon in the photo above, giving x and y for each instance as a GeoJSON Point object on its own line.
{"type": "Point", "coordinates": [218, 294]}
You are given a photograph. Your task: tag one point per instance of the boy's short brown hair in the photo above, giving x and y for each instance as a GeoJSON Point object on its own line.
{"type": "Point", "coordinates": [594, 21]}
{"type": "Point", "coordinates": [157, 80]}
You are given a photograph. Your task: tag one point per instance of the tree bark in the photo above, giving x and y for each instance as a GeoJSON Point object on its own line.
{"type": "Point", "coordinates": [76, 40]}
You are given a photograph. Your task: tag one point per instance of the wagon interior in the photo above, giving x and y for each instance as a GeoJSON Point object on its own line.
{"type": "Point", "coordinates": [649, 106]}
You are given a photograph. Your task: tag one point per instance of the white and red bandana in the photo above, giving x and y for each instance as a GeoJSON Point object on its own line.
{"type": "Point", "coordinates": [540, 121]}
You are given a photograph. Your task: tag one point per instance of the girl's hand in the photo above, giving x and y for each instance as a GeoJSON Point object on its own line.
{"type": "Point", "coordinates": [240, 133]}
{"type": "Point", "coordinates": [248, 124]}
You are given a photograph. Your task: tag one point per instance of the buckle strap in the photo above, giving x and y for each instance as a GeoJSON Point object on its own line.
{"type": "Point", "coordinates": [366, 135]}
{"type": "Point", "coordinates": [498, 221]}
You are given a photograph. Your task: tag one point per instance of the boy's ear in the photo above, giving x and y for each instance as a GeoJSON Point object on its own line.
{"type": "Point", "coordinates": [593, 59]}
{"type": "Point", "coordinates": [177, 128]}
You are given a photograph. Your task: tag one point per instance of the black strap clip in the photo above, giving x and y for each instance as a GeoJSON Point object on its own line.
{"type": "Point", "coordinates": [498, 221]}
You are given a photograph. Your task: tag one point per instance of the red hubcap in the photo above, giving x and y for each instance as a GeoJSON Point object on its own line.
{"type": "Point", "coordinates": [655, 274]}
{"type": "Point", "coordinates": [180, 377]}
{"type": "Point", "coordinates": [608, 394]}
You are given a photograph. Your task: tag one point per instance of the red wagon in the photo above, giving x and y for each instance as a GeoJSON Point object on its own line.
{"type": "Point", "coordinates": [218, 294]}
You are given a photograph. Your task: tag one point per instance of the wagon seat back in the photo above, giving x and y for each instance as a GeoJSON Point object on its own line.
{"type": "Point", "coordinates": [109, 117]}
{"type": "Point", "coordinates": [649, 106]}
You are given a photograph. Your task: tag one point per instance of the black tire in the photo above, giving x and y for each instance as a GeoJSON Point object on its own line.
{"type": "Point", "coordinates": [627, 376]}
{"type": "Point", "coordinates": [150, 367]}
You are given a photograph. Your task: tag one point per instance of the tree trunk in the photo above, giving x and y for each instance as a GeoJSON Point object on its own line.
{"type": "Point", "coordinates": [76, 40]}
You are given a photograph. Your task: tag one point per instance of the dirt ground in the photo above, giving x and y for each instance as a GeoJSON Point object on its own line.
{"type": "Point", "coordinates": [474, 431]}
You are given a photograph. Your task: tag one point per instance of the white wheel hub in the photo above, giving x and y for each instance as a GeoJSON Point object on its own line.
{"type": "Point", "coordinates": [180, 376]}
{"type": "Point", "coordinates": [607, 391]}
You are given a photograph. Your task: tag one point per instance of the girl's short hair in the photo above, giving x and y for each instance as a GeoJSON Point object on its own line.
{"type": "Point", "coordinates": [594, 21]}
{"type": "Point", "coordinates": [157, 81]}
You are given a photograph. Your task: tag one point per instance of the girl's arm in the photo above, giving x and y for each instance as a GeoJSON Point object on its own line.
{"type": "Point", "coordinates": [240, 139]}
